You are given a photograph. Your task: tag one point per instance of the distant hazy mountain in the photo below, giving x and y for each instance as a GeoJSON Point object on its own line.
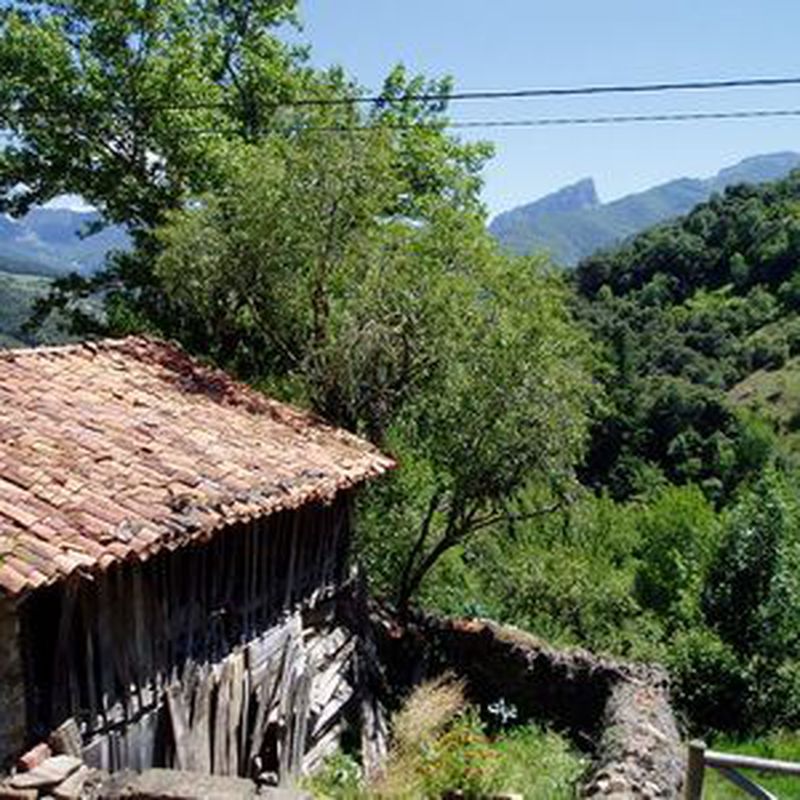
{"type": "Point", "coordinates": [572, 223]}
{"type": "Point", "coordinates": [46, 241]}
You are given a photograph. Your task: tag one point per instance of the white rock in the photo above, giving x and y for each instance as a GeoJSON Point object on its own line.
{"type": "Point", "coordinates": [50, 772]}
{"type": "Point", "coordinates": [71, 788]}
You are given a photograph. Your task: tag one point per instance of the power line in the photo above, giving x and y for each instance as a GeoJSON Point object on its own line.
{"type": "Point", "coordinates": [572, 91]}
{"type": "Point", "coordinates": [617, 119]}
{"type": "Point", "coordinates": [608, 119]}
{"type": "Point", "coordinates": [438, 97]}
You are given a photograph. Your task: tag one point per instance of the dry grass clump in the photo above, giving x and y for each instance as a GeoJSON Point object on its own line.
{"type": "Point", "coordinates": [425, 715]}
{"type": "Point", "coordinates": [427, 711]}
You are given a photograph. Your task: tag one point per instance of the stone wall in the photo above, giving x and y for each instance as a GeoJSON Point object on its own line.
{"type": "Point", "coordinates": [617, 712]}
{"type": "Point", "coordinates": [12, 689]}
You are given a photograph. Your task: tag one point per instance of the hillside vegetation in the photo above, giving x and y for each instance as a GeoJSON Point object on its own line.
{"type": "Point", "coordinates": [17, 296]}
{"type": "Point", "coordinates": [685, 312]}
{"type": "Point", "coordinates": [682, 543]}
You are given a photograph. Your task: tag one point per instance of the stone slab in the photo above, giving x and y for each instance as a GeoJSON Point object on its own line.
{"type": "Point", "coordinates": [8, 792]}
{"type": "Point", "coordinates": [72, 787]}
{"type": "Point", "coordinates": [50, 772]}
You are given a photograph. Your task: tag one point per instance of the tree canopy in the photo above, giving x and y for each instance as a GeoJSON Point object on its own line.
{"type": "Point", "coordinates": [334, 252]}
{"type": "Point", "coordinates": [308, 271]}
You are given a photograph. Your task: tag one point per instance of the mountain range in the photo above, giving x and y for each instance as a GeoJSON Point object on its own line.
{"type": "Point", "coordinates": [573, 223]}
{"type": "Point", "coordinates": [49, 241]}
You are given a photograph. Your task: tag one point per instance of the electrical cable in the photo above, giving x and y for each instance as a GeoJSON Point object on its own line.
{"type": "Point", "coordinates": [489, 95]}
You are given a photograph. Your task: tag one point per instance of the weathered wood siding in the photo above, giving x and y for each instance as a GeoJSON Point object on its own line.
{"type": "Point", "coordinates": [12, 695]}
{"type": "Point", "coordinates": [167, 662]}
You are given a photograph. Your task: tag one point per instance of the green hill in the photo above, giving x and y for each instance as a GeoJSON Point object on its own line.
{"type": "Point", "coordinates": [774, 395]}
{"type": "Point", "coordinates": [17, 295]}
{"type": "Point", "coordinates": [695, 318]}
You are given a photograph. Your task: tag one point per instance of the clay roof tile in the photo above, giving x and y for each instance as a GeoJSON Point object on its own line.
{"type": "Point", "coordinates": [117, 449]}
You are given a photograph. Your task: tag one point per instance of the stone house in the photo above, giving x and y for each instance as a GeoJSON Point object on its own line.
{"type": "Point", "coordinates": [173, 558]}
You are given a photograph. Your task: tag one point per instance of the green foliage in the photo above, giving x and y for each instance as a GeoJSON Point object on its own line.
{"type": "Point", "coordinates": [536, 763]}
{"type": "Point", "coordinates": [686, 311]}
{"type": "Point", "coordinates": [439, 745]}
{"type": "Point", "coordinates": [308, 270]}
{"type": "Point", "coordinates": [710, 684]}
{"type": "Point", "coordinates": [339, 778]}
{"type": "Point", "coordinates": [750, 597]}
{"type": "Point", "coordinates": [528, 760]}
{"type": "Point", "coordinates": [679, 536]}
{"type": "Point", "coordinates": [416, 332]}
{"type": "Point", "coordinates": [90, 93]}
{"type": "Point", "coordinates": [711, 594]}
{"type": "Point", "coordinates": [130, 106]}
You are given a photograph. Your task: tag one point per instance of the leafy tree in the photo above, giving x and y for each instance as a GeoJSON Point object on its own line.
{"type": "Point", "coordinates": [307, 268]}
{"type": "Point", "coordinates": [684, 312]}
{"type": "Point", "coordinates": [128, 104]}
{"type": "Point", "coordinates": [135, 106]}
{"type": "Point", "coordinates": [679, 538]}
{"type": "Point", "coordinates": [308, 271]}
{"type": "Point", "coordinates": [506, 413]}
{"type": "Point", "coordinates": [752, 598]}
{"type": "Point", "coordinates": [101, 97]}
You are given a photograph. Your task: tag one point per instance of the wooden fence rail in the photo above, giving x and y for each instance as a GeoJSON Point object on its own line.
{"type": "Point", "coordinates": [728, 764]}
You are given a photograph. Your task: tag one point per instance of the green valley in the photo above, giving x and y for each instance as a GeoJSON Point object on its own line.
{"type": "Point", "coordinates": [17, 296]}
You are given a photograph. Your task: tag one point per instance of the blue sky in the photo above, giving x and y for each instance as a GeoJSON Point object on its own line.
{"type": "Point", "coordinates": [530, 43]}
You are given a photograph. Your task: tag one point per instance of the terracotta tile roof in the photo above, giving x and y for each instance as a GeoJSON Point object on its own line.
{"type": "Point", "coordinates": [116, 449]}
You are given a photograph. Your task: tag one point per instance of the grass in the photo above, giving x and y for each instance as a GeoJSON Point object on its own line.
{"type": "Point", "coordinates": [784, 746]}
{"type": "Point", "coordinates": [440, 745]}
{"type": "Point", "coordinates": [775, 396]}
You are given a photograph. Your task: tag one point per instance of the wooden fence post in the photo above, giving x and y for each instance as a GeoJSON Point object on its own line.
{"type": "Point", "coordinates": [695, 769]}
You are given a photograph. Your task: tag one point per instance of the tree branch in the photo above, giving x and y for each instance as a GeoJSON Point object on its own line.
{"type": "Point", "coordinates": [403, 594]}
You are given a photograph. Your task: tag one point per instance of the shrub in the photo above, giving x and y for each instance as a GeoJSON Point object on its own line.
{"type": "Point", "coordinates": [679, 534]}
{"type": "Point", "coordinates": [339, 779]}
{"type": "Point", "coordinates": [751, 598]}
{"type": "Point", "coordinates": [709, 683]}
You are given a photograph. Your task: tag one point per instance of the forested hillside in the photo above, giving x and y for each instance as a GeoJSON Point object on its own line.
{"type": "Point", "coordinates": [685, 312]}
{"type": "Point", "coordinates": [18, 294]}
{"type": "Point", "coordinates": [683, 543]}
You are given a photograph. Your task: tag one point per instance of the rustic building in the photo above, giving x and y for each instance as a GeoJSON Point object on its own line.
{"type": "Point", "coordinates": [172, 548]}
